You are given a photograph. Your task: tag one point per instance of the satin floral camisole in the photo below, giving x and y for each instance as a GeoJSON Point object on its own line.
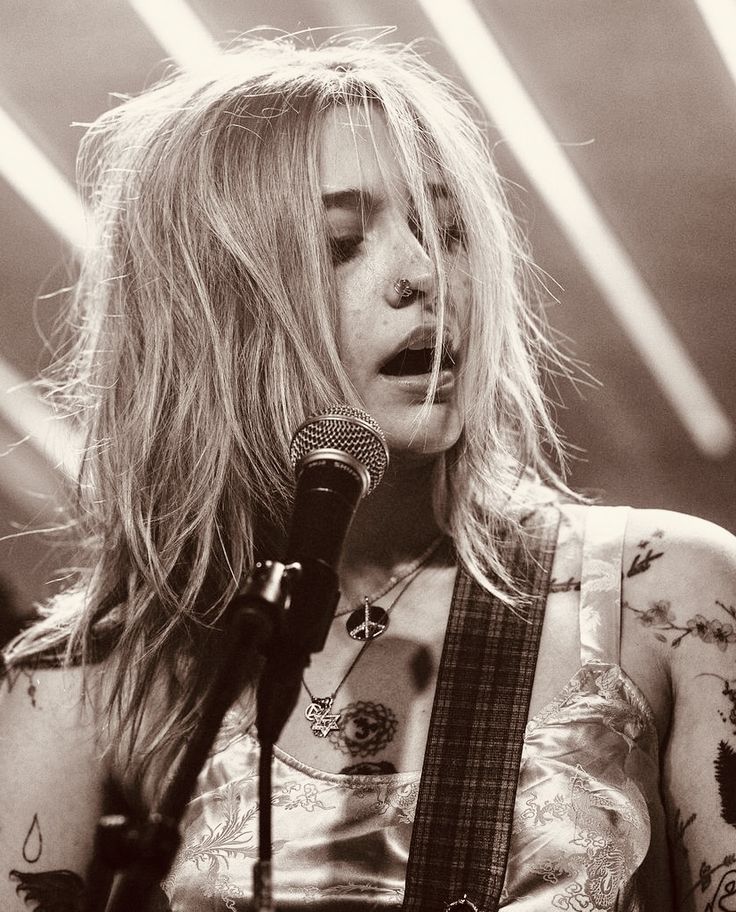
{"type": "Point", "coordinates": [587, 807]}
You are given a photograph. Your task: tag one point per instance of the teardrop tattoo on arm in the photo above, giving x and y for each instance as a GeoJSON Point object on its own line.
{"type": "Point", "coordinates": [46, 891]}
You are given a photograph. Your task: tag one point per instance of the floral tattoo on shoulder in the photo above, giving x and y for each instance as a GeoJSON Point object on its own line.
{"type": "Point", "coordinates": [661, 618]}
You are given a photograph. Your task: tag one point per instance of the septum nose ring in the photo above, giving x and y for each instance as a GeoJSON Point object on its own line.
{"type": "Point", "coordinates": [403, 288]}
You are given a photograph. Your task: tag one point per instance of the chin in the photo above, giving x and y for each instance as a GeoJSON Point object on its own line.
{"type": "Point", "coordinates": [408, 442]}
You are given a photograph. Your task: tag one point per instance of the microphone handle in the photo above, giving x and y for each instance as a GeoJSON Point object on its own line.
{"type": "Point", "coordinates": [327, 494]}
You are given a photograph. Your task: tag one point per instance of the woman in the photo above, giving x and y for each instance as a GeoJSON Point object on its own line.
{"type": "Point", "coordinates": [306, 227]}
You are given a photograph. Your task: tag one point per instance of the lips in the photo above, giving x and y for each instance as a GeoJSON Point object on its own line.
{"type": "Point", "coordinates": [416, 355]}
{"type": "Point", "coordinates": [410, 361]}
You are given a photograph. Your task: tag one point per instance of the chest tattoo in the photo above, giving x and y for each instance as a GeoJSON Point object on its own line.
{"type": "Point", "coordinates": [364, 729]}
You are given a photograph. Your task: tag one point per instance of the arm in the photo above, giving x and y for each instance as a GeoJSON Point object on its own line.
{"type": "Point", "coordinates": [51, 790]}
{"type": "Point", "coordinates": [690, 620]}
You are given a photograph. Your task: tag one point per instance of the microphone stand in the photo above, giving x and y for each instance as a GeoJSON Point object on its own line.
{"type": "Point", "coordinates": [141, 852]}
{"type": "Point", "coordinates": [282, 615]}
{"type": "Point", "coordinates": [314, 596]}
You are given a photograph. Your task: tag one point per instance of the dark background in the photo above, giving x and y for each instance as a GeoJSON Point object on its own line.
{"type": "Point", "coordinates": [644, 106]}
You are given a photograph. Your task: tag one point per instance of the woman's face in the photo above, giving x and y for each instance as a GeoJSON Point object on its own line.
{"type": "Point", "coordinates": [374, 243]}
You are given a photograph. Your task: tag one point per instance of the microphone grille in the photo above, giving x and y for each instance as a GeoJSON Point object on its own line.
{"type": "Point", "coordinates": [344, 428]}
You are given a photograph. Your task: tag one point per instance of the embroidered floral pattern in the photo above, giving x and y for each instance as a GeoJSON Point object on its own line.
{"type": "Point", "coordinates": [234, 836]}
{"type": "Point", "coordinates": [589, 833]}
{"type": "Point", "coordinates": [300, 795]}
{"type": "Point", "coordinates": [399, 798]}
{"type": "Point", "coordinates": [581, 825]}
{"type": "Point", "coordinates": [622, 708]}
{"type": "Point", "coordinates": [312, 893]}
{"type": "Point", "coordinates": [574, 898]}
{"type": "Point", "coordinates": [551, 871]}
{"type": "Point", "coordinates": [539, 815]}
{"type": "Point", "coordinates": [220, 833]}
{"type": "Point", "coordinates": [601, 576]}
{"type": "Point", "coordinates": [606, 869]}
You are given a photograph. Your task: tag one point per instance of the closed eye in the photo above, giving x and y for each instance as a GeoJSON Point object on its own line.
{"type": "Point", "coordinates": [345, 248]}
{"type": "Point", "coordinates": [452, 235]}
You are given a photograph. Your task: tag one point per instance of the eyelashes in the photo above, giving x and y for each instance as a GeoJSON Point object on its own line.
{"type": "Point", "coordinates": [344, 249]}
{"type": "Point", "coordinates": [453, 235]}
{"type": "Point", "coordinates": [347, 247]}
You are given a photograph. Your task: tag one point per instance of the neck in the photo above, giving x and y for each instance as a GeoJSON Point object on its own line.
{"type": "Point", "coordinates": [391, 528]}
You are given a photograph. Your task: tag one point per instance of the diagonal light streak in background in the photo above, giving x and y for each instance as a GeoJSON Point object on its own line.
{"type": "Point", "coordinates": [179, 32]}
{"type": "Point", "coordinates": [496, 85]}
{"type": "Point", "coordinates": [36, 180]}
{"type": "Point", "coordinates": [720, 17]}
{"type": "Point", "coordinates": [33, 176]}
{"type": "Point", "coordinates": [25, 167]}
{"type": "Point", "coordinates": [33, 420]}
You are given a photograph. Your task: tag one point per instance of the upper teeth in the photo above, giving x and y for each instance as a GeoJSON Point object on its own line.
{"type": "Point", "coordinates": [422, 340]}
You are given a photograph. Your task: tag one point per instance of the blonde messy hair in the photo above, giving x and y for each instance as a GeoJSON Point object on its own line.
{"type": "Point", "coordinates": [205, 317]}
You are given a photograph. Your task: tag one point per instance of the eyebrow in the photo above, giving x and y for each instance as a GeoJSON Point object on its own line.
{"type": "Point", "coordinates": [351, 198]}
{"type": "Point", "coordinates": [365, 201]}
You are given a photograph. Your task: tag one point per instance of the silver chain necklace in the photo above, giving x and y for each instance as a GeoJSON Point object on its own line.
{"type": "Point", "coordinates": [319, 710]}
{"type": "Point", "coordinates": [366, 620]}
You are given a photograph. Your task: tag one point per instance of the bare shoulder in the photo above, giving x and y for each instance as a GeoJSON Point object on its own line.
{"type": "Point", "coordinates": [699, 545]}
{"type": "Point", "coordinates": [51, 784]}
{"type": "Point", "coordinates": [680, 582]}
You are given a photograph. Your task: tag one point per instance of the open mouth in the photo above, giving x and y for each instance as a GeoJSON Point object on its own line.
{"type": "Point", "coordinates": [411, 362]}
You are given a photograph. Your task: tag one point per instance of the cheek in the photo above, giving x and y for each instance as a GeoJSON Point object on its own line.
{"type": "Point", "coordinates": [460, 294]}
{"type": "Point", "coordinates": [360, 328]}
{"type": "Point", "coordinates": [460, 282]}
{"type": "Point", "coordinates": [462, 285]}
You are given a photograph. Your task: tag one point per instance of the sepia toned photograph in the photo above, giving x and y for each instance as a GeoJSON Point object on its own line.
{"type": "Point", "coordinates": [368, 456]}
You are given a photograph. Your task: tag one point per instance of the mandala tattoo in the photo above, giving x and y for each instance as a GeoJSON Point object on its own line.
{"type": "Point", "coordinates": [364, 729]}
{"type": "Point", "coordinates": [659, 616]}
{"type": "Point", "coordinates": [51, 891]}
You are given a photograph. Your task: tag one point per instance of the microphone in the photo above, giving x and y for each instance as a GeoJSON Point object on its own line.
{"type": "Point", "coordinates": [338, 458]}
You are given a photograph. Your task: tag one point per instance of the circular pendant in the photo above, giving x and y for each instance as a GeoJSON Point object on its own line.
{"type": "Point", "coordinates": [367, 623]}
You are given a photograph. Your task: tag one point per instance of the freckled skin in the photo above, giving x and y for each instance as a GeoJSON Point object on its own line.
{"type": "Point", "coordinates": [355, 154]}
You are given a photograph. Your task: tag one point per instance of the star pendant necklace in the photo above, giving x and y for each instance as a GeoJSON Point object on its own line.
{"type": "Point", "coordinates": [319, 710]}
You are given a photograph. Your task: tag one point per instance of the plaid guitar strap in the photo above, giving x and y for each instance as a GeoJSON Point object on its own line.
{"type": "Point", "coordinates": [460, 840]}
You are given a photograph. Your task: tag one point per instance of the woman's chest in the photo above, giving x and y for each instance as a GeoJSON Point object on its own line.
{"type": "Point", "coordinates": [365, 706]}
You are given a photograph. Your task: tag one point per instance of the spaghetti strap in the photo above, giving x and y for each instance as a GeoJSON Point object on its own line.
{"type": "Point", "coordinates": [600, 584]}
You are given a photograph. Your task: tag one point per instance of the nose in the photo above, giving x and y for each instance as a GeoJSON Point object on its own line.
{"type": "Point", "coordinates": [415, 275]}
